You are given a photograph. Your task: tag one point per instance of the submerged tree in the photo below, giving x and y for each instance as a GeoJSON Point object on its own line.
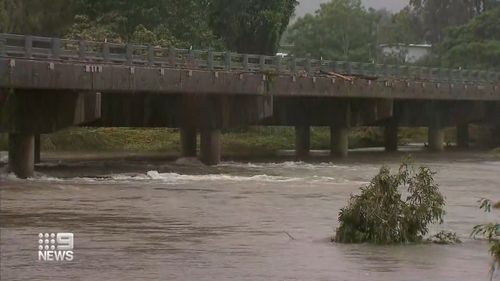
{"type": "Point", "coordinates": [380, 214]}
{"type": "Point", "coordinates": [491, 232]}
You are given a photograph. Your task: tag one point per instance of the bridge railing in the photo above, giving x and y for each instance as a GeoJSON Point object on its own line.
{"type": "Point", "coordinates": [43, 48]}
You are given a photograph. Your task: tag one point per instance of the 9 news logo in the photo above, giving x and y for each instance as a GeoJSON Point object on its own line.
{"type": "Point", "coordinates": [55, 246]}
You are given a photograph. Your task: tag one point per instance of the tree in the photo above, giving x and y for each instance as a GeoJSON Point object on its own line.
{"type": "Point", "coordinates": [380, 215]}
{"type": "Point", "coordinates": [182, 23]}
{"type": "Point", "coordinates": [437, 15]}
{"type": "Point", "coordinates": [340, 30]}
{"type": "Point", "coordinates": [491, 232]}
{"type": "Point", "coordinates": [402, 27]}
{"type": "Point", "coordinates": [37, 17]}
{"type": "Point", "coordinates": [473, 45]}
{"type": "Point", "coordinates": [251, 26]}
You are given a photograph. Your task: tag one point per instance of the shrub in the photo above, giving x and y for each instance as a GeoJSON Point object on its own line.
{"type": "Point", "coordinates": [380, 215]}
{"type": "Point", "coordinates": [491, 232]}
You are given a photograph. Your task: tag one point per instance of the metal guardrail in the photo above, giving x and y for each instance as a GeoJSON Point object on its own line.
{"type": "Point", "coordinates": [55, 49]}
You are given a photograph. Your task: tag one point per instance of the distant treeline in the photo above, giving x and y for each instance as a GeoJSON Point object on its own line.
{"type": "Point", "coordinates": [464, 33]}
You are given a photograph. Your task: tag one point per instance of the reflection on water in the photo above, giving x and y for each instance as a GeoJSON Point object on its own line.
{"type": "Point", "coordinates": [237, 221]}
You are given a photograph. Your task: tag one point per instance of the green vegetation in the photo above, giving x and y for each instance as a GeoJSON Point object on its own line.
{"type": "Point", "coordinates": [252, 26]}
{"type": "Point", "coordinates": [473, 45]}
{"type": "Point", "coordinates": [259, 141]}
{"type": "Point", "coordinates": [491, 232]}
{"type": "Point", "coordinates": [380, 214]}
{"type": "Point", "coordinates": [463, 33]}
{"type": "Point", "coordinates": [341, 29]}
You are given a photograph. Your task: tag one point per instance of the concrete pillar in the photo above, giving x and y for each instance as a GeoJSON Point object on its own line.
{"type": "Point", "coordinates": [37, 149]}
{"type": "Point", "coordinates": [188, 141]}
{"type": "Point", "coordinates": [339, 140]}
{"type": "Point", "coordinates": [436, 138]}
{"type": "Point", "coordinates": [302, 141]}
{"type": "Point", "coordinates": [391, 136]}
{"type": "Point", "coordinates": [22, 155]}
{"type": "Point", "coordinates": [463, 135]}
{"type": "Point", "coordinates": [210, 146]}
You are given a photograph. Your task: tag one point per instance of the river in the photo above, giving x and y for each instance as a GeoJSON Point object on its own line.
{"type": "Point", "coordinates": [141, 220]}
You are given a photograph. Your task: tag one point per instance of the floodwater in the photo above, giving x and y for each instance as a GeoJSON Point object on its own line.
{"type": "Point", "coordinates": [236, 221]}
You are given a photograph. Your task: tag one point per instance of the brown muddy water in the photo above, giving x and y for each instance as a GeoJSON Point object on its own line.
{"type": "Point", "coordinates": [138, 220]}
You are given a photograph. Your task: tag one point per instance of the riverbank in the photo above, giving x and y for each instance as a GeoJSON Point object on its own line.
{"type": "Point", "coordinates": [253, 141]}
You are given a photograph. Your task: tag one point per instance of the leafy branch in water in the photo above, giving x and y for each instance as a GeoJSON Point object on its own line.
{"type": "Point", "coordinates": [380, 215]}
{"type": "Point", "coordinates": [491, 232]}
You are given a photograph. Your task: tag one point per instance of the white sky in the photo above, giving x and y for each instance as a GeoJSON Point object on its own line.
{"type": "Point", "coordinates": [309, 6]}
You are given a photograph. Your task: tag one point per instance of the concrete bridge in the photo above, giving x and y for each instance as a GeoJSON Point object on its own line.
{"type": "Point", "coordinates": [47, 84]}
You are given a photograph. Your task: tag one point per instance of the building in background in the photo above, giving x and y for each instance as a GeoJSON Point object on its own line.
{"type": "Point", "coordinates": [405, 53]}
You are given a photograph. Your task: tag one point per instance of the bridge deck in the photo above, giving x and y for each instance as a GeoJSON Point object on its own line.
{"type": "Point", "coordinates": [28, 62]}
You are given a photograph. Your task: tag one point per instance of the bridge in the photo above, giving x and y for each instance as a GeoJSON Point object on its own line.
{"type": "Point", "coordinates": [48, 84]}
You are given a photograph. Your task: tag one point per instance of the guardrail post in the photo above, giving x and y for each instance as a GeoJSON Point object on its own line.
{"type": "Point", "coordinates": [151, 55]}
{"type": "Point", "coordinates": [308, 65]}
{"type": "Point", "coordinates": [227, 61]}
{"type": "Point", "coordinates": [262, 62]}
{"type": "Point", "coordinates": [56, 48]}
{"type": "Point", "coordinates": [277, 63]}
{"type": "Point", "coordinates": [81, 49]}
{"type": "Point", "coordinates": [210, 60]}
{"type": "Point", "coordinates": [172, 56]}
{"type": "Point", "coordinates": [130, 53]}
{"type": "Point", "coordinates": [28, 46]}
{"type": "Point", "coordinates": [105, 52]}
{"type": "Point", "coordinates": [245, 62]}
{"type": "Point", "coordinates": [3, 42]}
{"type": "Point", "coordinates": [293, 65]}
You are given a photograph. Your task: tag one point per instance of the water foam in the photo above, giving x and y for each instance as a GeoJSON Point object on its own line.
{"type": "Point", "coordinates": [284, 165]}
{"type": "Point", "coordinates": [175, 178]}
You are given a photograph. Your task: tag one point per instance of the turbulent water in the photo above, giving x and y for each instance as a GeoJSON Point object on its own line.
{"type": "Point", "coordinates": [237, 221]}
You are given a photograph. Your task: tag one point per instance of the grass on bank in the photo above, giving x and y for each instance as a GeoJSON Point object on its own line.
{"type": "Point", "coordinates": [245, 141]}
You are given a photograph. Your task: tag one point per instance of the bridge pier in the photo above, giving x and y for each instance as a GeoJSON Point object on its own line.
{"type": "Point", "coordinates": [463, 137]}
{"type": "Point", "coordinates": [339, 141]}
{"type": "Point", "coordinates": [22, 154]}
{"type": "Point", "coordinates": [210, 146]}
{"type": "Point", "coordinates": [37, 149]}
{"type": "Point", "coordinates": [391, 135]}
{"type": "Point", "coordinates": [302, 141]}
{"type": "Point", "coordinates": [188, 141]}
{"type": "Point", "coordinates": [436, 135]}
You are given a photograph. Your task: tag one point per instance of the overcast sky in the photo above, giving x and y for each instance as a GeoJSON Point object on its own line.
{"type": "Point", "coordinates": [309, 6]}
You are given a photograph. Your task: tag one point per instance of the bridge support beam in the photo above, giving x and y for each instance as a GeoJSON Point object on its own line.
{"type": "Point", "coordinates": [391, 135]}
{"type": "Point", "coordinates": [188, 141]}
{"type": "Point", "coordinates": [463, 135]}
{"type": "Point", "coordinates": [22, 154]}
{"type": "Point", "coordinates": [339, 130]}
{"type": "Point", "coordinates": [210, 146]}
{"type": "Point", "coordinates": [302, 141]}
{"type": "Point", "coordinates": [339, 141]}
{"type": "Point", "coordinates": [436, 135]}
{"type": "Point", "coordinates": [37, 149]}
